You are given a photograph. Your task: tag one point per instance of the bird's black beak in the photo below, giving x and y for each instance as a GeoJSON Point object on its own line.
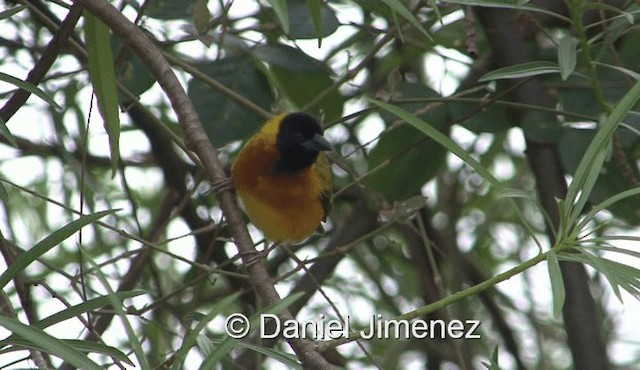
{"type": "Point", "coordinates": [317, 142]}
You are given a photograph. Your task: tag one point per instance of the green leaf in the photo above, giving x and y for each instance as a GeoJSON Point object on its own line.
{"type": "Point", "coordinates": [28, 86]}
{"type": "Point", "coordinates": [169, 9]}
{"type": "Point", "coordinates": [557, 285]}
{"type": "Point", "coordinates": [402, 150]}
{"type": "Point", "coordinates": [36, 338]}
{"type": "Point", "coordinates": [224, 119]}
{"type": "Point", "coordinates": [303, 22]}
{"type": "Point", "coordinates": [280, 8]}
{"type": "Point", "coordinates": [397, 7]}
{"type": "Point", "coordinates": [301, 79]}
{"type": "Point", "coordinates": [84, 346]}
{"type": "Point", "coordinates": [441, 139]}
{"type": "Point", "coordinates": [103, 77]}
{"type": "Point", "coordinates": [229, 343]}
{"type": "Point", "coordinates": [618, 274]}
{"type": "Point", "coordinates": [315, 10]}
{"type": "Point", "coordinates": [593, 159]}
{"type": "Point", "coordinates": [509, 4]}
{"type": "Point", "coordinates": [77, 310]}
{"type": "Point", "coordinates": [86, 306]}
{"type": "Point", "coordinates": [192, 337]}
{"type": "Point", "coordinates": [130, 71]}
{"type": "Point", "coordinates": [493, 364]}
{"type": "Point", "coordinates": [521, 70]}
{"type": "Point", "coordinates": [10, 12]}
{"type": "Point", "coordinates": [567, 56]}
{"type": "Point", "coordinates": [48, 243]}
{"type": "Point", "coordinates": [287, 359]}
{"type": "Point", "coordinates": [116, 305]}
{"type": "Point", "coordinates": [4, 131]}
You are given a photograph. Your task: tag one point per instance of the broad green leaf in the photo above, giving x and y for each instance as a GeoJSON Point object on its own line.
{"type": "Point", "coordinates": [224, 119]}
{"type": "Point", "coordinates": [280, 8]}
{"type": "Point", "coordinates": [521, 70]}
{"type": "Point", "coordinates": [48, 243]}
{"type": "Point", "coordinates": [41, 340]}
{"type": "Point", "coordinates": [130, 71]}
{"type": "Point", "coordinates": [27, 86]}
{"type": "Point", "coordinates": [303, 23]}
{"type": "Point", "coordinates": [567, 56]}
{"type": "Point", "coordinates": [301, 79]}
{"type": "Point", "coordinates": [169, 9]}
{"type": "Point", "coordinates": [403, 150]}
{"type": "Point", "coordinates": [315, 10]}
{"type": "Point", "coordinates": [103, 78]}
{"type": "Point", "coordinates": [557, 284]}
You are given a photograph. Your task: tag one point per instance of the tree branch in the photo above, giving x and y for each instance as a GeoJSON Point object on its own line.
{"type": "Point", "coordinates": [509, 48]}
{"type": "Point", "coordinates": [200, 144]}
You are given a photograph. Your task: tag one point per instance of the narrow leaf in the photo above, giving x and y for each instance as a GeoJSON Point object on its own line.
{"type": "Point", "coordinates": [52, 345]}
{"type": "Point", "coordinates": [567, 56]}
{"type": "Point", "coordinates": [4, 131]}
{"type": "Point", "coordinates": [399, 8]}
{"type": "Point", "coordinates": [48, 243]}
{"type": "Point", "coordinates": [315, 10]}
{"type": "Point", "coordinates": [593, 159]}
{"type": "Point", "coordinates": [509, 4]}
{"type": "Point", "coordinates": [103, 77]}
{"type": "Point", "coordinates": [557, 285]}
{"type": "Point", "coordinates": [9, 12]}
{"type": "Point", "coordinates": [228, 343]}
{"type": "Point", "coordinates": [116, 305]}
{"type": "Point", "coordinates": [192, 338]}
{"type": "Point", "coordinates": [521, 70]}
{"type": "Point", "coordinates": [441, 139]}
{"type": "Point", "coordinates": [28, 86]}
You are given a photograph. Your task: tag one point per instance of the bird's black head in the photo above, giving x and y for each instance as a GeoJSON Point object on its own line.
{"type": "Point", "coordinates": [299, 142]}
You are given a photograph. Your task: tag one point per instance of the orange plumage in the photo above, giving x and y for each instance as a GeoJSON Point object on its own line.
{"type": "Point", "coordinates": [283, 178]}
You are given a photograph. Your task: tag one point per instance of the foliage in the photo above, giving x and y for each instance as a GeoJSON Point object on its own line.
{"type": "Point", "coordinates": [116, 253]}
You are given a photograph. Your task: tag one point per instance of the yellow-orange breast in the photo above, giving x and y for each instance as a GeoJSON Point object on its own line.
{"type": "Point", "coordinates": [286, 207]}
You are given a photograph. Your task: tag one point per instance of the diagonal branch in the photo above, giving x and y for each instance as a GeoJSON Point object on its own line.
{"type": "Point", "coordinates": [200, 144]}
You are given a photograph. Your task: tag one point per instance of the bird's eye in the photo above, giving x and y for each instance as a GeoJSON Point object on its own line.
{"type": "Point", "coordinates": [298, 136]}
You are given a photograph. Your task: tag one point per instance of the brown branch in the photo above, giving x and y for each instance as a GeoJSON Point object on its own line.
{"type": "Point", "coordinates": [200, 144]}
{"type": "Point", "coordinates": [509, 48]}
{"type": "Point", "coordinates": [45, 62]}
{"type": "Point", "coordinates": [23, 291]}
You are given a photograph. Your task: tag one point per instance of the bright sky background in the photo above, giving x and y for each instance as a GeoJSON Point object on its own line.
{"type": "Point", "coordinates": [444, 75]}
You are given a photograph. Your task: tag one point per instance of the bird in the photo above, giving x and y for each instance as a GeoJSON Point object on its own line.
{"type": "Point", "coordinates": [283, 177]}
